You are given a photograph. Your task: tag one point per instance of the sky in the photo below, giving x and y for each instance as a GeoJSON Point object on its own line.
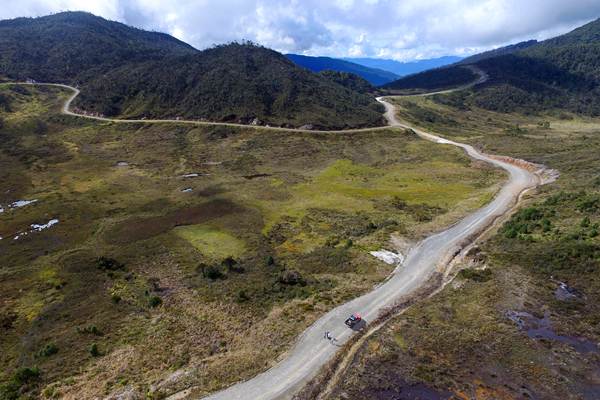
{"type": "Point", "coordinates": [403, 30]}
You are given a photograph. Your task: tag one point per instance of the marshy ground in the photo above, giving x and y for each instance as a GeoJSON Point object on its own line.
{"type": "Point", "coordinates": [522, 321]}
{"type": "Point", "coordinates": [194, 253]}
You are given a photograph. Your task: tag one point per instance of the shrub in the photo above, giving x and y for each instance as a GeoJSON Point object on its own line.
{"type": "Point", "coordinates": [94, 351]}
{"type": "Point", "coordinates": [589, 204]}
{"type": "Point", "coordinates": [26, 375]}
{"type": "Point", "coordinates": [585, 222]}
{"type": "Point", "coordinates": [11, 390]}
{"type": "Point", "coordinates": [242, 296]}
{"type": "Point", "coordinates": [109, 264]}
{"type": "Point", "coordinates": [398, 203]}
{"type": "Point", "coordinates": [211, 272]}
{"type": "Point", "coordinates": [290, 277]}
{"type": "Point", "coordinates": [524, 222]}
{"type": "Point", "coordinates": [90, 330]}
{"type": "Point", "coordinates": [154, 301]}
{"type": "Point", "coordinates": [232, 265]}
{"type": "Point", "coordinates": [270, 261]}
{"type": "Point", "coordinates": [115, 298]}
{"type": "Point", "coordinates": [48, 350]}
{"type": "Point", "coordinates": [477, 275]}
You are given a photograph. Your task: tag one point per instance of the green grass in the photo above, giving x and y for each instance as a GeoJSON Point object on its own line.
{"type": "Point", "coordinates": [461, 340]}
{"type": "Point", "coordinates": [212, 242]}
{"type": "Point", "coordinates": [295, 197]}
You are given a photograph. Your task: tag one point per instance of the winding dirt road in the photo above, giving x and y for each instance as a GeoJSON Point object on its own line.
{"type": "Point", "coordinates": [311, 351]}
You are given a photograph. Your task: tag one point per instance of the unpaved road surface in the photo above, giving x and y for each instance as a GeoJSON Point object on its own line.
{"type": "Point", "coordinates": [312, 351]}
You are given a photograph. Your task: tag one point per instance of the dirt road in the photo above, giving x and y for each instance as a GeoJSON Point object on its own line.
{"type": "Point", "coordinates": [312, 351]}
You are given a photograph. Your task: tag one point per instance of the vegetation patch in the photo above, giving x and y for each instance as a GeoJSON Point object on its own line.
{"type": "Point", "coordinates": [211, 242]}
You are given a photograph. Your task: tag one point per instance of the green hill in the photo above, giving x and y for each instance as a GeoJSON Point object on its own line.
{"type": "Point", "coordinates": [131, 73]}
{"type": "Point", "coordinates": [562, 73]}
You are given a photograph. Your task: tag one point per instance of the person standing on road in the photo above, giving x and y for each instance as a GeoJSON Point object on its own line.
{"type": "Point", "coordinates": [329, 337]}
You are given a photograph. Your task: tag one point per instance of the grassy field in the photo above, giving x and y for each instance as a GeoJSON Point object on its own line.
{"type": "Point", "coordinates": [193, 254]}
{"type": "Point", "coordinates": [462, 342]}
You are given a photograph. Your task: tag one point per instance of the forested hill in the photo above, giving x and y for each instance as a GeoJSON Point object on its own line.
{"type": "Point", "coordinates": [131, 73]}
{"type": "Point", "coordinates": [562, 73]}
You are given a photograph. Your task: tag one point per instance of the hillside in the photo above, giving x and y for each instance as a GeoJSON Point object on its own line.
{"type": "Point", "coordinates": [317, 64]}
{"type": "Point", "coordinates": [348, 80]}
{"type": "Point", "coordinates": [501, 51]}
{"type": "Point", "coordinates": [131, 73]}
{"type": "Point", "coordinates": [405, 68]}
{"type": "Point", "coordinates": [561, 74]}
{"type": "Point", "coordinates": [433, 80]}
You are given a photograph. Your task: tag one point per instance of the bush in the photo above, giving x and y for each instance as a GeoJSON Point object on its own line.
{"type": "Point", "coordinates": [109, 264]}
{"type": "Point", "coordinates": [270, 261]}
{"type": "Point", "coordinates": [115, 298]}
{"type": "Point", "coordinates": [94, 351]}
{"type": "Point", "coordinates": [589, 204]}
{"type": "Point", "coordinates": [290, 277]}
{"type": "Point", "coordinates": [90, 330]}
{"type": "Point", "coordinates": [23, 376]}
{"type": "Point", "coordinates": [232, 265]}
{"type": "Point", "coordinates": [154, 301]}
{"type": "Point", "coordinates": [211, 272]}
{"type": "Point", "coordinates": [26, 375]}
{"type": "Point", "coordinates": [524, 222]}
{"type": "Point", "coordinates": [477, 275]}
{"type": "Point", "coordinates": [242, 296]}
{"type": "Point", "coordinates": [48, 350]}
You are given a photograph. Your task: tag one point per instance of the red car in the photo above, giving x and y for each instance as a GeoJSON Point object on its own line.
{"type": "Point", "coordinates": [353, 320]}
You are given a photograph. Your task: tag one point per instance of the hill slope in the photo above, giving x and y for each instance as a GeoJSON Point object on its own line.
{"type": "Point", "coordinates": [127, 72]}
{"type": "Point", "coordinates": [562, 73]}
{"type": "Point", "coordinates": [317, 64]}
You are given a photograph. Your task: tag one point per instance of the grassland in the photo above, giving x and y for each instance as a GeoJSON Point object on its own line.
{"type": "Point", "coordinates": [193, 254]}
{"type": "Point", "coordinates": [462, 343]}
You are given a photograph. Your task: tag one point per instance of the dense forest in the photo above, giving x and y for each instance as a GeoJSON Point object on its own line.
{"type": "Point", "coordinates": [131, 73]}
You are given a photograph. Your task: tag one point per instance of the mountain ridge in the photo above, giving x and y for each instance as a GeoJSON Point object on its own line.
{"type": "Point", "coordinates": [561, 73]}
{"type": "Point", "coordinates": [131, 73]}
{"type": "Point", "coordinates": [317, 64]}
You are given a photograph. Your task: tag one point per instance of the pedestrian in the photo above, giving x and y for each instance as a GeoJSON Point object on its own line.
{"type": "Point", "coordinates": [328, 335]}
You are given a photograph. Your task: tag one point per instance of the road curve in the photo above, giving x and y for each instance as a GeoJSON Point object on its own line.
{"type": "Point", "coordinates": [311, 351]}
{"type": "Point", "coordinates": [66, 109]}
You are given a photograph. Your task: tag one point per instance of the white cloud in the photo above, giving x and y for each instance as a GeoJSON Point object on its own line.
{"type": "Point", "coordinates": [404, 29]}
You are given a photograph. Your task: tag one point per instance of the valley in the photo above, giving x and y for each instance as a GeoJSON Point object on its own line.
{"type": "Point", "coordinates": [229, 222]}
{"type": "Point", "coordinates": [169, 280]}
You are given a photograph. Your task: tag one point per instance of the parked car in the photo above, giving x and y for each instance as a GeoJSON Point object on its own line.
{"type": "Point", "coordinates": [352, 320]}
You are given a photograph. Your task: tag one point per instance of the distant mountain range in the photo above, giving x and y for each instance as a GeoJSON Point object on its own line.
{"type": "Point", "coordinates": [376, 71]}
{"type": "Point", "coordinates": [131, 73]}
{"type": "Point", "coordinates": [561, 73]}
{"type": "Point", "coordinates": [405, 68]}
{"type": "Point", "coordinates": [317, 64]}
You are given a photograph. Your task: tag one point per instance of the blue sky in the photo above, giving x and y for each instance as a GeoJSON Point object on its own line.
{"type": "Point", "coordinates": [400, 29]}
